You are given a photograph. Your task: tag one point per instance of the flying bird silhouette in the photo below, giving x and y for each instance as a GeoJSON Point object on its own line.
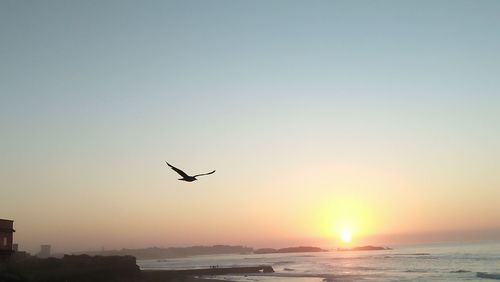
{"type": "Point", "coordinates": [184, 175]}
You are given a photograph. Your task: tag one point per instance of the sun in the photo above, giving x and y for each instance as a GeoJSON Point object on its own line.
{"type": "Point", "coordinates": [346, 236]}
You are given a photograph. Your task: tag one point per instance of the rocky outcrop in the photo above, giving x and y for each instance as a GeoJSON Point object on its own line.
{"type": "Point", "coordinates": [80, 268]}
{"type": "Point", "coordinates": [84, 268]}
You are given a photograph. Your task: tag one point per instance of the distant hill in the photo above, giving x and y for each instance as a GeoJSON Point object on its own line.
{"type": "Point", "coordinates": [176, 252]}
{"type": "Point", "coordinates": [289, 250]}
{"type": "Point", "coordinates": [173, 252]}
{"type": "Point", "coordinates": [364, 248]}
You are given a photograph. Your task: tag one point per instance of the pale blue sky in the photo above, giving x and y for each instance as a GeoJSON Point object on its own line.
{"type": "Point", "coordinates": [95, 95]}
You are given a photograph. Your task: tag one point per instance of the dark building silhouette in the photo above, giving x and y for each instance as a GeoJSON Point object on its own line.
{"type": "Point", "coordinates": [6, 237]}
{"type": "Point", "coordinates": [44, 251]}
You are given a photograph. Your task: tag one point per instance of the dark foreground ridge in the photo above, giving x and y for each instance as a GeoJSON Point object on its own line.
{"type": "Point", "coordinates": [84, 268]}
{"type": "Point", "coordinates": [70, 268]}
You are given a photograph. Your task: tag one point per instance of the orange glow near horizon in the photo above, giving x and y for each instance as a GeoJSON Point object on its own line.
{"type": "Point", "coordinates": [344, 219]}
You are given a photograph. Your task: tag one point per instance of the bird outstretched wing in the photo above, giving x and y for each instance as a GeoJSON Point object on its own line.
{"type": "Point", "coordinates": [204, 174]}
{"type": "Point", "coordinates": [180, 172]}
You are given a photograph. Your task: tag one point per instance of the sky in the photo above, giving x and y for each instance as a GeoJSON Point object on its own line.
{"type": "Point", "coordinates": [376, 117]}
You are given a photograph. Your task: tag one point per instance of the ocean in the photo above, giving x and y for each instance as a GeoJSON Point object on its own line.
{"type": "Point", "coordinates": [432, 262]}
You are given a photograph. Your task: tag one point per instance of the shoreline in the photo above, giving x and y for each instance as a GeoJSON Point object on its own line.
{"type": "Point", "coordinates": [197, 274]}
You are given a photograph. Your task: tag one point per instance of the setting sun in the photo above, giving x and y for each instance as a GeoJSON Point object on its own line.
{"type": "Point", "coordinates": [346, 236]}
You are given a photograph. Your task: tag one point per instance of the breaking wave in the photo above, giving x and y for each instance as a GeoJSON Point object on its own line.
{"type": "Point", "coordinates": [495, 276]}
{"type": "Point", "coordinates": [417, 270]}
{"type": "Point", "coordinates": [459, 271]}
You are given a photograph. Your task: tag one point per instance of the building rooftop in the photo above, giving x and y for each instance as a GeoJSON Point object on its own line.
{"type": "Point", "coordinates": [7, 225]}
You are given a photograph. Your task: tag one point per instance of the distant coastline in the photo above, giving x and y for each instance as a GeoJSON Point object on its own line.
{"type": "Point", "coordinates": [364, 248]}
{"type": "Point", "coordinates": [178, 252]}
{"type": "Point", "coordinates": [172, 252]}
{"type": "Point", "coordinates": [300, 249]}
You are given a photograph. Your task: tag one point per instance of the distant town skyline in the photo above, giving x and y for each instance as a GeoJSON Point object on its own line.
{"type": "Point", "coordinates": [377, 120]}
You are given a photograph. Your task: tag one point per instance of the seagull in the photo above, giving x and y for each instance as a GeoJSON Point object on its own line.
{"type": "Point", "coordinates": [186, 177]}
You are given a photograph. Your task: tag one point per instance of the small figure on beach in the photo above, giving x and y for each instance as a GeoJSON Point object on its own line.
{"type": "Point", "coordinates": [184, 175]}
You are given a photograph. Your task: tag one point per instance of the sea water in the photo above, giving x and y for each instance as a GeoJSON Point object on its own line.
{"type": "Point", "coordinates": [436, 262]}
